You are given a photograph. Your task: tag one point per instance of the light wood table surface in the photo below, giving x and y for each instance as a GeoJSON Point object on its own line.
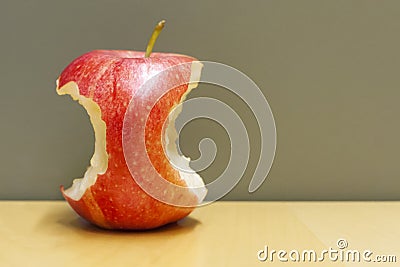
{"type": "Point", "coordinates": [49, 233]}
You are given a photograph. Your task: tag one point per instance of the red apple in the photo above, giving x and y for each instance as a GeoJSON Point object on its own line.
{"type": "Point", "coordinates": [104, 83]}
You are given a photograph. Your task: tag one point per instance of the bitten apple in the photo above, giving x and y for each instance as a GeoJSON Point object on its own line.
{"type": "Point", "coordinates": [104, 83]}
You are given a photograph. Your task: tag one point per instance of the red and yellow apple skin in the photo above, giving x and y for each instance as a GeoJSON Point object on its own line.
{"type": "Point", "coordinates": [111, 80]}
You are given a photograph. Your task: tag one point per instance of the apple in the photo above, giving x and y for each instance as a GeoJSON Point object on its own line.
{"type": "Point", "coordinates": [105, 82]}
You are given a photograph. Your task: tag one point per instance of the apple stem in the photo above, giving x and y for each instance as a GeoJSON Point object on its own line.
{"type": "Point", "coordinates": [153, 38]}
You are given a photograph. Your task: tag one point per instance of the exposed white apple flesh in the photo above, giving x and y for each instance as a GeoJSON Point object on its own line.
{"type": "Point", "coordinates": [99, 160]}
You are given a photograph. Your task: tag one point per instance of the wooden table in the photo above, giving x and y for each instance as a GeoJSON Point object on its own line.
{"type": "Point", "coordinates": [49, 233]}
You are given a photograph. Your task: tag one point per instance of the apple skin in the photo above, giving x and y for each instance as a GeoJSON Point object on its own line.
{"type": "Point", "coordinates": [111, 79]}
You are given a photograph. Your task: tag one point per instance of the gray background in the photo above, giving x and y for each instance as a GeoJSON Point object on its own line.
{"type": "Point", "coordinates": [328, 68]}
